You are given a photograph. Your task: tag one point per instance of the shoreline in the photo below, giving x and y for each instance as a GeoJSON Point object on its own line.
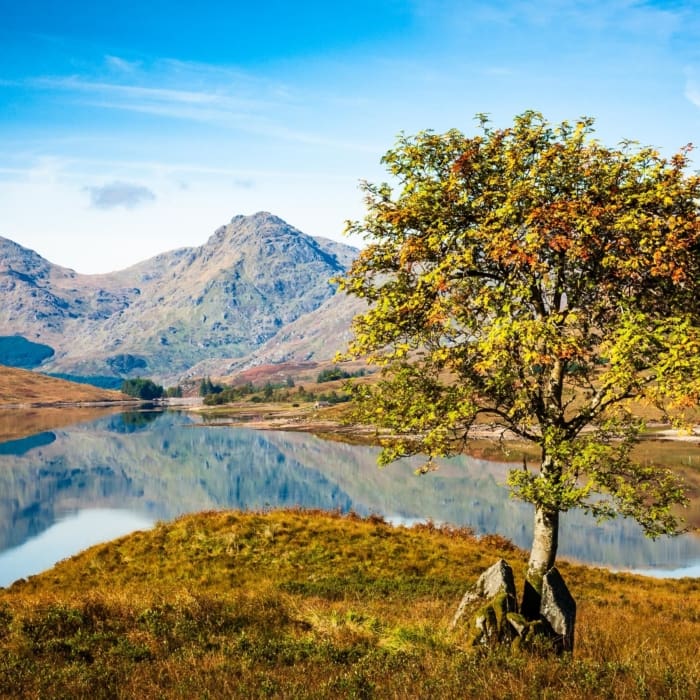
{"type": "Point", "coordinates": [275, 417]}
{"type": "Point", "coordinates": [30, 405]}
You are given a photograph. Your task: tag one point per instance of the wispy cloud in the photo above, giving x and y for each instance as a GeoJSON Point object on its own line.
{"type": "Point", "coordinates": [692, 88]}
{"type": "Point", "coordinates": [263, 116]}
{"type": "Point", "coordinates": [645, 18]}
{"type": "Point", "coordinates": [119, 194]}
{"type": "Point", "coordinates": [140, 94]}
{"type": "Point", "coordinates": [121, 65]}
{"type": "Point", "coordinates": [76, 170]}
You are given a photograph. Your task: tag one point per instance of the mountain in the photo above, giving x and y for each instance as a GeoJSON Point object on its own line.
{"type": "Point", "coordinates": [222, 300]}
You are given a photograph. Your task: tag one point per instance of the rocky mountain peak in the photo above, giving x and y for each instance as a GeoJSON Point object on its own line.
{"type": "Point", "coordinates": [259, 219]}
{"type": "Point", "coordinates": [20, 261]}
{"type": "Point", "coordinates": [265, 241]}
{"type": "Point", "coordinates": [252, 228]}
{"type": "Point", "coordinates": [224, 299]}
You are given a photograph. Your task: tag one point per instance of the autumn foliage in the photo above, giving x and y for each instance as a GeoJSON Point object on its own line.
{"type": "Point", "coordinates": [537, 280]}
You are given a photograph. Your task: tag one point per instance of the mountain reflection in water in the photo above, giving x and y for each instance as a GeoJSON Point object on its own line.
{"type": "Point", "coordinates": [139, 467]}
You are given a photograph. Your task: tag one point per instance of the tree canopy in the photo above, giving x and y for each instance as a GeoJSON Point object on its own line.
{"type": "Point", "coordinates": [142, 388]}
{"type": "Point", "coordinates": [534, 280]}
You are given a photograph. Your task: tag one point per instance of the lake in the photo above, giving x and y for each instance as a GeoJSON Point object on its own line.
{"type": "Point", "coordinates": [66, 488]}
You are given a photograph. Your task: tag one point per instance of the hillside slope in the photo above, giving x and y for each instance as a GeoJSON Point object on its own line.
{"type": "Point", "coordinates": [290, 604]}
{"type": "Point", "coordinates": [20, 386]}
{"type": "Point", "coordinates": [313, 337]}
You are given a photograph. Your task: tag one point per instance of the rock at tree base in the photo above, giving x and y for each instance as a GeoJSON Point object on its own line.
{"type": "Point", "coordinates": [497, 620]}
{"type": "Point", "coordinates": [496, 579]}
{"type": "Point", "coordinates": [558, 608]}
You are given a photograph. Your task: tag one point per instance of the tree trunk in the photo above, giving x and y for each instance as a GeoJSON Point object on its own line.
{"type": "Point", "coordinates": [545, 539]}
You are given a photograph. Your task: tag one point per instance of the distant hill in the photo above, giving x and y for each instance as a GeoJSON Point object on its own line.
{"type": "Point", "coordinates": [20, 386]}
{"type": "Point", "coordinates": [225, 300]}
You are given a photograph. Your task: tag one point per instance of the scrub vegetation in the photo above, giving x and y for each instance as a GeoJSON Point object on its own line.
{"type": "Point", "coordinates": [297, 604]}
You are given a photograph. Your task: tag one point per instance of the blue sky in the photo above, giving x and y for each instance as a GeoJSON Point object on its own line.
{"type": "Point", "coordinates": [130, 128]}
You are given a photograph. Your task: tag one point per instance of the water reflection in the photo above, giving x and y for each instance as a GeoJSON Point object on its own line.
{"type": "Point", "coordinates": [64, 538]}
{"type": "Point", "coordinates": [22, 445]}
{"type": "Point", "coordinates": [151, 466]}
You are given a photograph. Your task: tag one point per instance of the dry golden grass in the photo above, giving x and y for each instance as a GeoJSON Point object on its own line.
{"type": "Point", "coordinates": [20, 386]}
{"type": "Point", "coordinates": [294, 604]}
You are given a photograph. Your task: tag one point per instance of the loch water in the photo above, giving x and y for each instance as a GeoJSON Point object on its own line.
{"type": "Point", "coordinates": [64, 489]}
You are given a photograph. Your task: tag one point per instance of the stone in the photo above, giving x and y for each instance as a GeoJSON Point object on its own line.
{"type": "Point", "coordinates": [489, 625]}
{"type": "Point", "coordinates": [497, 620]}
{"type": "Point", "coordinates": [485, 626]}
{"type": "Point", "coordinates": [558, 609]}
{"type": "Point", "coordinates": [497, 579]}
{"type": "Point", "coordinates": [518, 623]}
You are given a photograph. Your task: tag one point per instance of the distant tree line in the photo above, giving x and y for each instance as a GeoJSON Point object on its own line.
{"type": "Point", "coordinates": [148, 390]}
{"type": "Point", "coordinates": [330, 374]}
{"type": "Point", "coordinates": [141, 388]}
{"type": "Point", "coordinates": [207, 387]}
{"type": "Point", "coordinates": [283, 392]}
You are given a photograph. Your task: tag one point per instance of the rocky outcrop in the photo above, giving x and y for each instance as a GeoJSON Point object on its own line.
{"type": "Point", "coordinates": [496, 582]}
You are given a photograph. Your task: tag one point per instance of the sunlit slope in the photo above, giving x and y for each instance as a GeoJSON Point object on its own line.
{"type": "Point", "coordinates": [294, 604]}
{"type": "Point", "coordinates": [19, 386]}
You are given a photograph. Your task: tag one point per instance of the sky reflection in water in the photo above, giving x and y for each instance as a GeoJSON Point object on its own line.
{"type": "Point", "coordinates": [64, 538]}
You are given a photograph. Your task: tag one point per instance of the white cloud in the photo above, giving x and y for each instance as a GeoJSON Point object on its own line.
{"type": "Point", "coordinates": [119, 194]}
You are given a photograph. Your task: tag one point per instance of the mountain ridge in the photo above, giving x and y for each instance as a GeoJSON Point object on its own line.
{"type": "Point", "coordinates": [160, 317]}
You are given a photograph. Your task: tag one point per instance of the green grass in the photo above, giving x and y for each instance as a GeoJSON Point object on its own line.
{"type": "Point", "coordinates": [294, 604]}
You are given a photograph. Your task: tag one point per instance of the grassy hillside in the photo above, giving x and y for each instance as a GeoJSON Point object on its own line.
{"type": "Point", "coordinates": [19, 386]}
{"type": "Point", "coordinates": [295, 604]}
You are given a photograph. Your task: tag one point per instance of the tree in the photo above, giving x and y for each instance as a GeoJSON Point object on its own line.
{"type": "Point", "coordinates": [207, 387]}
{"type": "Point", "coordinates": [535, 280]}
{"type": "Point", "coordinates": [331, 374]}
{"type": "Point", "coordinates": [145, 389]}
